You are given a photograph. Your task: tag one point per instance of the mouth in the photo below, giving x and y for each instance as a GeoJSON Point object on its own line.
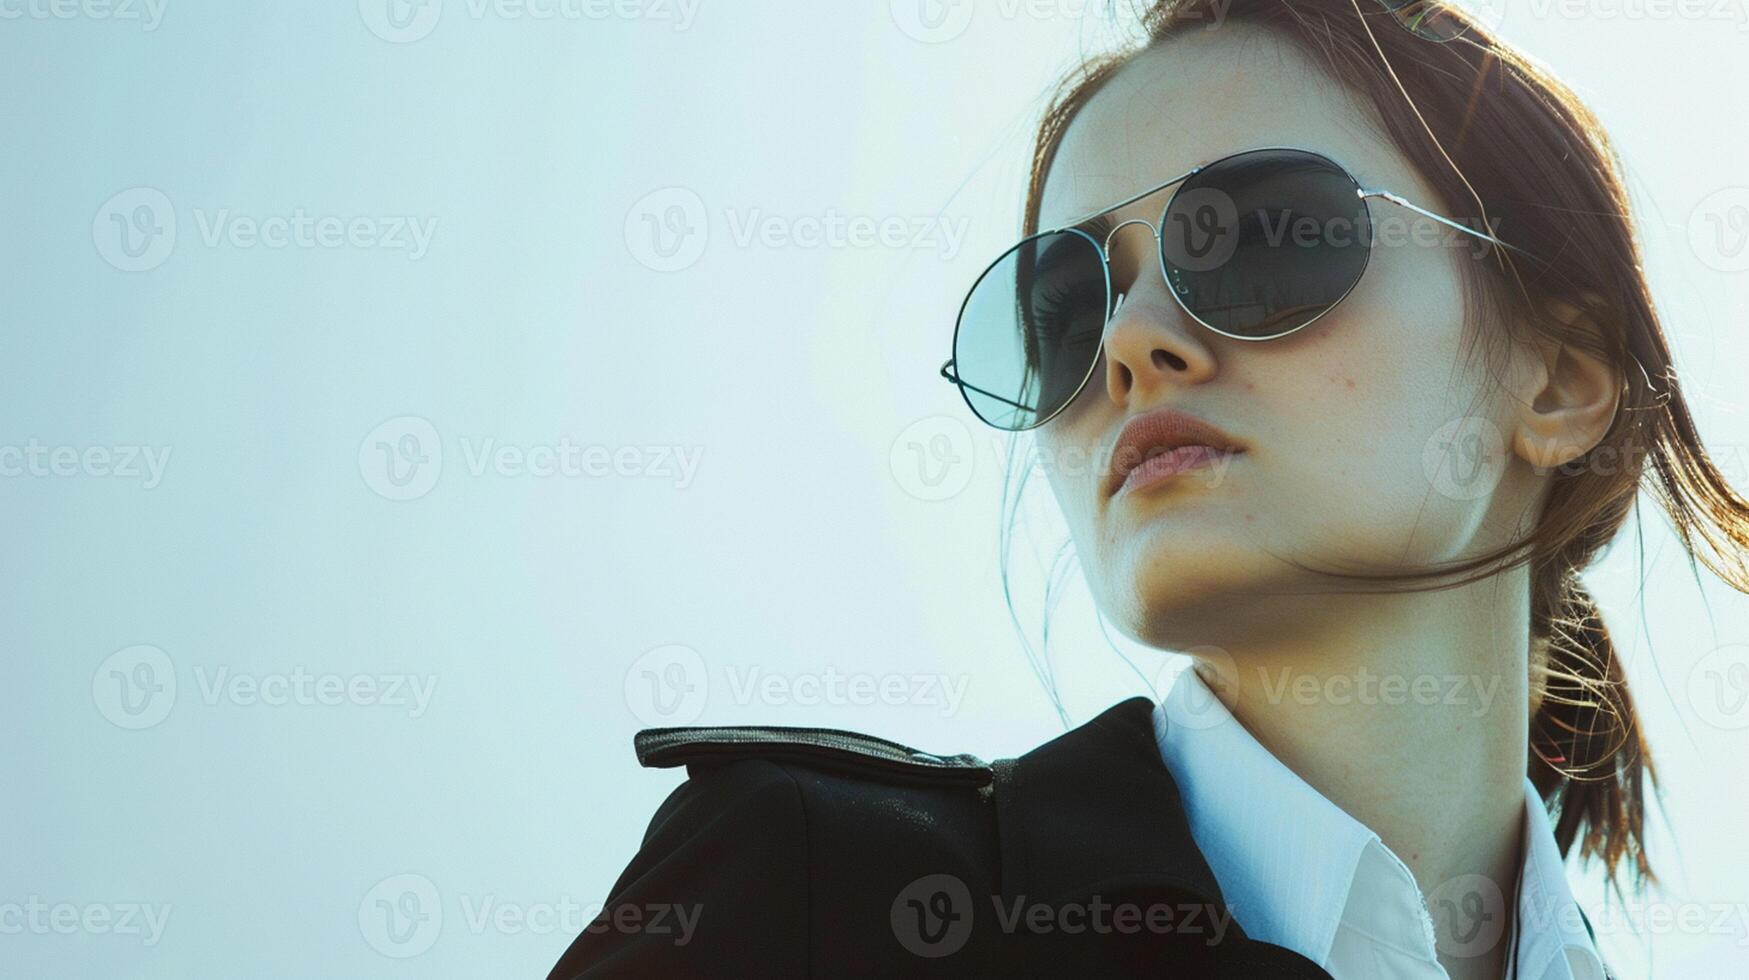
{"type": "Point", "coordinates": [1157, 445]}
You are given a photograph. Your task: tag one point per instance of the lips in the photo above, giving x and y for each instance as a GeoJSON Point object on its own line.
{"type": "Point", "coordinates": [1160, 433]}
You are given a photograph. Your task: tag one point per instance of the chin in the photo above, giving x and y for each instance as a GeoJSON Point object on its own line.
{"type": "Point", "coordinates": [1172, 591]}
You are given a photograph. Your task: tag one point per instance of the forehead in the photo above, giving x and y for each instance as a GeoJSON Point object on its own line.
{"type": "Point", "coordinates": [1199, 96]}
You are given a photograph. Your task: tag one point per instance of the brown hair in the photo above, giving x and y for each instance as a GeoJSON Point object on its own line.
{"type": "Point", "coordinates": [1482, 123]}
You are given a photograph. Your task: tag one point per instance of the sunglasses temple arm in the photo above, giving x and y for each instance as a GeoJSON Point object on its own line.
{"type": "Point", "coordinates": [947, 372]}
{"type": "Point", "coordinates": [1397, 199]}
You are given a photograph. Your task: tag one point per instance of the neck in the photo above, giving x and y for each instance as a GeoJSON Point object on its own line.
{"type": "Point", "coordinates": [1408, 711]}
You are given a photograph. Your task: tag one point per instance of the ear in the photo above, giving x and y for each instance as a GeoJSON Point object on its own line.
{"type": "Point", "coordinates": [1568, 396]}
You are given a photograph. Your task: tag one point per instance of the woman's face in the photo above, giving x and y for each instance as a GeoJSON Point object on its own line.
{"type": "Point", "coordinates": [1346, 423]}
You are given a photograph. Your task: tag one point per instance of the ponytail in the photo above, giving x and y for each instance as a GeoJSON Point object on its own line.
{"type": "Point", "coordinates": [1588, 757]}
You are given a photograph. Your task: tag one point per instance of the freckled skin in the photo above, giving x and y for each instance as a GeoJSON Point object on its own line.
{"type": "Point", "coordinates": [1340, 420]}
{"type": "Point", "coordinates": [1336, 469]}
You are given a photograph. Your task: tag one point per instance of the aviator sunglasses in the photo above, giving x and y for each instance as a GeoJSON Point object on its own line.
{"type": "Point", "coordinates": [1253, 246]}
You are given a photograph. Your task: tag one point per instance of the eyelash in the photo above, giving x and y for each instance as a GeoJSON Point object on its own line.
{"type": "Point", "coordinates": [1057, 299]}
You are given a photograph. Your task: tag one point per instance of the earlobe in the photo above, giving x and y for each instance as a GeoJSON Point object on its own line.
{"type": "Point", "coordinates": [1570, 396]}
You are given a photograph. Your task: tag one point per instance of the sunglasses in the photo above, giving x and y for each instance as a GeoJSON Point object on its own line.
{"type": "Point", "coordinates": [1434, 20]}
{"type": "Point", "coordinates": [1253, 246]}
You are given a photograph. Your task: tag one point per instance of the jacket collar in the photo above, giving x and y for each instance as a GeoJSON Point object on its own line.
{"type": "Point", "coordinates": [1094, 811]}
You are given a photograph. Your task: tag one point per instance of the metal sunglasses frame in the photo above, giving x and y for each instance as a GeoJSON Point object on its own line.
{"type": "Point", "coordinates": [1430, 20]}
{"type": "Point", "coordinates": [1362, 192]}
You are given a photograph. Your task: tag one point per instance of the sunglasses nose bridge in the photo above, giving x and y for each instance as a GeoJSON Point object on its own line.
{"type": "Point", "coordinates": [1105, 254]}
{"type": "Point", "coordinates": [1105, 246]}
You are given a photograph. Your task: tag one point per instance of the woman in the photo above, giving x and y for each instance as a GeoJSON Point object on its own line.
{"type": "Point", "coordinates": [1341, 368]}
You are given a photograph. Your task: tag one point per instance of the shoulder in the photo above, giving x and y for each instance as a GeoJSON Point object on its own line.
{"type": "Point", "coordinates": [819, 787]}
{"type": "Point", "coordinates": [787, 847]}
{"type": "Point", "coordinates": [833, 751]}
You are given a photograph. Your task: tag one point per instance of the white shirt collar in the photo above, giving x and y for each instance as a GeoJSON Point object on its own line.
{"type": "Point", "coordinates": [1299, 872]}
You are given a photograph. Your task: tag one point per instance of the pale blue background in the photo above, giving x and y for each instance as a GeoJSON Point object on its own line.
{"type": "Point", "coordinates": [799, 377]}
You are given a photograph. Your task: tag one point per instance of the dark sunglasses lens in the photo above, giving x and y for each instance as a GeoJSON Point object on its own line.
{"type": "Point", "coordinates": [1029, 332]}
{"type": "Point", "coordinates": [1262, 243]}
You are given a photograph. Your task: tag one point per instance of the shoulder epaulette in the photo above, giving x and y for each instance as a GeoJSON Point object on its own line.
{"type": "Point", "coordinates": [824, 748]}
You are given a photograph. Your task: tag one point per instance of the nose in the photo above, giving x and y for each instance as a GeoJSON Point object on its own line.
{"type": "Point", "coordinates": [1150, 343]}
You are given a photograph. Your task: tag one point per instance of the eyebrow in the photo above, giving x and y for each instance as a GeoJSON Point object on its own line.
{"type": "Point", "coordinates": [1099, 226]}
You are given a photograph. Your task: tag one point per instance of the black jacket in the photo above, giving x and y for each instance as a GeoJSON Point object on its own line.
{"type": "Point", "coordinates": [796, 852]}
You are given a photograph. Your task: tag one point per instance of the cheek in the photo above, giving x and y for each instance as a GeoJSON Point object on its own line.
{"type": "Point", "coordinates": [1067, 458]}
{"type": "Point", "coordinates": [1379, 430]}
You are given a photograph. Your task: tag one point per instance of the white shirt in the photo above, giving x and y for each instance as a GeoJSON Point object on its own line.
{"type": "Point", "coordinates": [1298, 871]}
